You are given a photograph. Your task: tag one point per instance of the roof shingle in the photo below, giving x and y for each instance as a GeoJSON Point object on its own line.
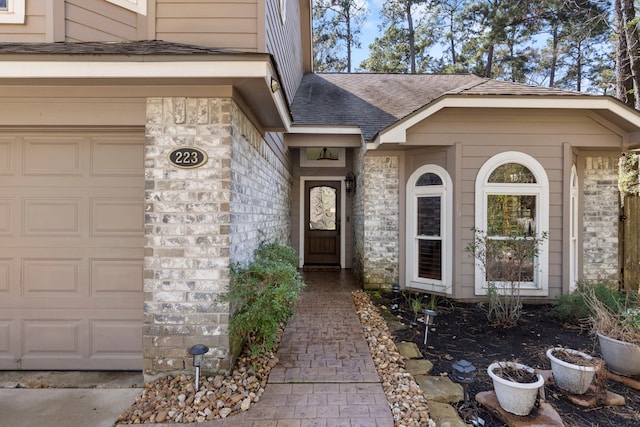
{"type": "Point", "coordinates": [375, 101]}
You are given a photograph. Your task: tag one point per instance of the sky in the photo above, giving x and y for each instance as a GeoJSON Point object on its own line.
{"type": "Point", "coordinates": [369, 31]}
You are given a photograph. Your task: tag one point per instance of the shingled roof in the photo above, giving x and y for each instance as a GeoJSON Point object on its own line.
{"type": "Point", "coordinates": [375, 101]}
{"type": "Point", "coordinates": [145, 47]}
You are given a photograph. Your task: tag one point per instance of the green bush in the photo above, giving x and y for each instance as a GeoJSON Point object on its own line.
{"type": "Point", "coordinates": [262, 296]}
{"type": "Point", "coordinates": [573, 307]}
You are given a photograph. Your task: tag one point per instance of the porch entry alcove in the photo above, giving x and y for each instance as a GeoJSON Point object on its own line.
{"type": "Point", "coordinates": [322, 221]}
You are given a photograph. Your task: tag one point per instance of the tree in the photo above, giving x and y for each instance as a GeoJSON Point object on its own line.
{"type": "Point", "coordinates": [578, 30]}
{"type": "Point", "coordinates": [336, 27]}
{"type": "Point", "coordinates": [403, 43]}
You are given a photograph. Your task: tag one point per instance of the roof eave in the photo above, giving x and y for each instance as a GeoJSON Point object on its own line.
{"type": "Point", "coordinates": [252, 75]}
{"type": "Point", "coordinates": [397, 133]}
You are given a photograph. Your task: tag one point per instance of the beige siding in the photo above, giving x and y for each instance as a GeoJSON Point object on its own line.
{"type": "Point", "coordinates": [284, 42]}
{"type": "Point", "coordinates": [483, 134]}
{"type": "Point", "coordinates": [220, 24]}
{"type": "Point", "coordinates": [450, 126]}
{"type": "Point", "coordinates": [98, 20]}
{"type": "Point", "coordinates": [34, 28]}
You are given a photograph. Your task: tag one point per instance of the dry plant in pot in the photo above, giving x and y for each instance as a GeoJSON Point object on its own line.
{"type": "Point", "coordinates": [573, 370]}
{"type": "Point", "coordinates": [618, 333]}
{"type": "Point", "coordinates": [516, 386]}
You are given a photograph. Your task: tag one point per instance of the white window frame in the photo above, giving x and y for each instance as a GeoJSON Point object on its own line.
{"type": "Point", "coordinates": [138, 6]}
{"type": "Point", "coordinates": [574, 220]}
{"type": "Point", "coordinates": [540, 189]}
{"type": "Point", "coordinates": [445, 191]}
{"type": "Point", "coordinates": [14, 13]}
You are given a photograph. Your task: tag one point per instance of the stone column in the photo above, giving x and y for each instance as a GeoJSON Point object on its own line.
{"type": "Point", "coordinates": [601, 219]}
{"type": "Point", "coordinates": [187, 223]}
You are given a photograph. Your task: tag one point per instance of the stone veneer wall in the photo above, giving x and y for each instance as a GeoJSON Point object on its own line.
{"type": "Point", "coordinates": [198, 221]}
{"type": "Point", "coordinates": [378, 252]}
{"type": "Point", "coordinates": [601, 219]}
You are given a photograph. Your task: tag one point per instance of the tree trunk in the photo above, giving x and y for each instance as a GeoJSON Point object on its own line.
{"type": "Point", "coordinates": [624, 82]}
{"type": "Point", "coordinates": [452, 40]}
{"type": "Point", "coordinates": [487, 71]}
{"type": "Point", "coordinates": [633, 46]}
{"type": "Point", "coordinates": [554, 56]}
{"type": "Point", "coordinates": [412, 38]}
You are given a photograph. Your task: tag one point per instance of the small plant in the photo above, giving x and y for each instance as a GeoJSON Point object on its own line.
{"type": "Point", "coordinates": [262, 296]}
{"type": "Point", "coordinates": [506, 263]}
{"type": "Point", "coordinates": [617, 317]}
{"type": "Point", "coordinates": [415, 303]}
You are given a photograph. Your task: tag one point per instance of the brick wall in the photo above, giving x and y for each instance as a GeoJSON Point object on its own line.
{"type": "Point", "coordinates": [200, 220]}
{"type": "Point", "coordinates": [378, 252]}
{"type": "Point", "coordinates": [601, 217]}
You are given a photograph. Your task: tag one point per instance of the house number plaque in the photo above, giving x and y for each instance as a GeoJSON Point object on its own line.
{"type": "Point", "coordinates": [187, 157]}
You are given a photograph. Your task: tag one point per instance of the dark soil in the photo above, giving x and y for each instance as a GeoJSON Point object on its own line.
{"type": "Point", "coordinates": [462, 331]}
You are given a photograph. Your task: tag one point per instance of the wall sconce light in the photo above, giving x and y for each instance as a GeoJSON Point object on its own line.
{"type": "Point", "coordinates": [198, 351]}
{"type": "Point", "coordinates": [428, 321]}
{"type": "Point", "coordinates": [275, 86]}
{"type": "Point", "coordinates": [350, 184]}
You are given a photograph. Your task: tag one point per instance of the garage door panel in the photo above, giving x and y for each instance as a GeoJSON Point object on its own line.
{"type": "Point", "coordinates": [5, 276]}
{"type": "Point", "coordinates": [116, 157]}
{"type": "Point", "coordinates": [115, 338]}
{"type": "Point", "coordinates": [71, 250]}
{"type": "Point", "coordinates": [47, 217]}
{"type": "Point", "coordinates": [53, 156]}
{"type": "Point", "coordinates": [54, 276]}
{"type": "Point", "coordinates": [51, 336]}
{"type": "Point", "coordinates": [117, 217]}
{"type": "Point", "coordinates": [9, 343]}
{"type": "Point", "coordinates": [6, 156]}
{"type": "Point", "coordinates": [118, 278]}
{"type": "Point", "coordinates": [7, 211]}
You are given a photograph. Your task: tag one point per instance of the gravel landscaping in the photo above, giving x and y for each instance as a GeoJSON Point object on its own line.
{"type": "Point", "coordinates": [174, 400]}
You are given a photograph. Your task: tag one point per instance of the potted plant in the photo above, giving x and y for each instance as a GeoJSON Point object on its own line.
{"type": "Point", "coordinates": [516, 386]}
{"type": "Point", "coordinates": [617, 327]}
{"type": "Point", "coordinates": [573, 370]}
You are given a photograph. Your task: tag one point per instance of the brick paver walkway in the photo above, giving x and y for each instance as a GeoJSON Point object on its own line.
{"type": "Point", "coordinates": [325, 376]}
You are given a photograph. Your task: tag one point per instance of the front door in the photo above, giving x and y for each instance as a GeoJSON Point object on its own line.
{"type": "Point", "coordinates": [322, 223]}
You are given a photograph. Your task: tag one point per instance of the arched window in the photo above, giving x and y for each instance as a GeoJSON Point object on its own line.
{"type": "Point", "coordinates": [429, 225]}
{"type": "Point", "coordinates": [512, 202]}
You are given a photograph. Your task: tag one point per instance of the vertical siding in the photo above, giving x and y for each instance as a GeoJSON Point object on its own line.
{"type": "Point", "coordinates": [284, 42]}
{"type": "Point", "coordinates": [98, 20]}
{"type": "Point", "coordinates": [34, 28]}
{"type": "Point", "coordinates": [220, 24]}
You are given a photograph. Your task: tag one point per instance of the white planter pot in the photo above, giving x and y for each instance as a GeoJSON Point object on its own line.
{"type": "Point", "coordinates": [621, 357]}
{"type": "Point", "coordinates": [516, 398]}
{"type": "Point", "coordinates": [571, 377]}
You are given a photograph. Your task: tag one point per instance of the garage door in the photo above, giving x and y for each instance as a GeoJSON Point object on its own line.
{"type": "Point", "coordinates": [71, 250]}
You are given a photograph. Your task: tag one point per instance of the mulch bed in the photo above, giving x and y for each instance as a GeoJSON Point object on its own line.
{"type": "Point", "coordinates": [462, 331]}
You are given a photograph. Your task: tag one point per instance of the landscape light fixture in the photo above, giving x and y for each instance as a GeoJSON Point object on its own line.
{"type": "Point", "coordinates": [428, 321]}
{"type": "Point", "coordinates": [350, 184]}
{"type": "Point", "coordinates": [395, 301]}
{"type": "Point", "coordinates": [198, 351]}
{"type": "Point", "coordinates": [464, 372]}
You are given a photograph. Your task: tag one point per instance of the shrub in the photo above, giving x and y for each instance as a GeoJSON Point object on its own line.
{"type": "Point", "coordinates": [573, 307]}
{"type": "Point", "coordinates": [506, 263]}
{"type": "Point", "coordinates": [262, 296]}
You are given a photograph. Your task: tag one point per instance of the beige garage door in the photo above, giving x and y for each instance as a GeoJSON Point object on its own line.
{"type": "Point", "coordinates": [71, 249]}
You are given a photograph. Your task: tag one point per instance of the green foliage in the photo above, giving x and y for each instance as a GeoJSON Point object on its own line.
{"type": "Point", "coordinates": [262, 295]}
{"type": "Point", "coordinates": [629, 174]}
{"type": "Point", "coordinates": [507, 263]}
{"type": "Point", "coordinates": [573, 307]}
